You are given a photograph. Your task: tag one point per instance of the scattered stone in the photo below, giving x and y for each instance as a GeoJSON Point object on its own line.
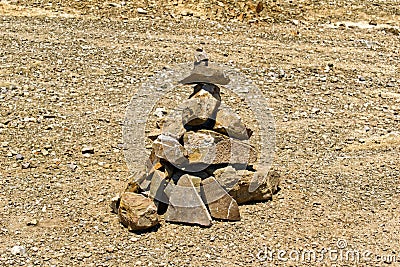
{"type": "Point", "coordinates": [229, 123]}
{"type": "Point", "coordinates": [137, 212]}
{"type": "Point", "coordinates": [186, 205]}
{"type": "Point", "coordinates": [157, 187]}
{"type": "Point", "coordinates": [141, 11]}
{"type": "Point", "coordinates": [268, 186]}
{"type": "Point", "coordinates": [88, 150]}
{"type": "Point", "coordinates": [19, 157]}
{"type": "Point", "coordinates": [220, 203]}
{"type": "Point", "coordinates": [173, 125]}
{"type": "Point", "coordinates": [26, 165]}
{"type": "Point", "coordinates": [114, 205]}
{"type": "Point", "coordinates": [72, 166]}
{"type": "Point", "coordinates": [160, 112]}
{"type": "Point", "coordinates": [20, 250]}
{"type": "Point", "coordinates": [32, 222]}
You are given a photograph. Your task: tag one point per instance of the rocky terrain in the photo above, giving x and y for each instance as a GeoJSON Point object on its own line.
{"type": "Point", "coordinates": [330, 72]}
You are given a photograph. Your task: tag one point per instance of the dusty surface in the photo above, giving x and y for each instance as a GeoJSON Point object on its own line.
{"type": "Point", "coordinates": [69, 70]}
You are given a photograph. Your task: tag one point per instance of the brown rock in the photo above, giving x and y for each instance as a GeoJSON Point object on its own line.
{"type": "Point", "coordinates": [173, 125]}
{"type": "Point", "coordinates": [208, 147]}
{"type": "Point", "coordinates": [137, 212]}
{"type": "Point", "coordinates": [201, 107]}
{"type": "Point", "coordinates": [266, 187]}
{"type": "Point", "coordinates": [114, 205]}
{"type": "Point", "coordinates": [227, 177]}
{"type": "Point", "coordinates": [229, 123]}
{"type": "Point", "coordinates": [220, 203]}
{"type": "Point", "coordinates": [168, 148]}
{"type": "Point", "coordinates": [203, 72]}
{"type": "Point", "coordinates": [137, 182]}
{"type": "Point", "coordinates": [185, 203]}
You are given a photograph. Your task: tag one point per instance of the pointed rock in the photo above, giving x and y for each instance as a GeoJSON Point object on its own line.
{"type": "Point", "coordinates": [220, 203]}
{"type": "Point", "coordinates": [157, 187]}
{"type": "Point", "coordinates": [185, 204]}
{"type": "Point", "coordinates": [137, 212]}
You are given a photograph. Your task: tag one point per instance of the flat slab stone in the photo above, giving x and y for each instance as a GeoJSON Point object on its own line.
{"type": "Point", "coordinates": [137, 212]}
{"type": "Point", "coordinates": [203, 72]}
{"type": "Point", "coordinates": [208, 147]}
{"type": "Point", "coordinates": [220, 203]}
{"type": "Point", "coordinates": [185, 203]}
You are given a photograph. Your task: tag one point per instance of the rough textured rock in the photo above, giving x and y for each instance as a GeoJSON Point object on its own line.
{"type": "Point", "coordinates": [137, 212]}
{"type": "Point", "coordinates": [209, 147]}
{"type": "Point", "coordinates": [114, 205]}
{"type": "Point", "coordinates": [173, 125]}
{"type": "Point", "coordinates": [227, 177]}
{"type": "Point", "coordinates": [170, 149]}
{"type": "Point", "coordinates": [229, 123]}
{"type": "Point", "coordinates": [185, 204]}
{"type": "Point", "coordinates": [269, 185]}
{"type": "Point", "coordinates": [201, 107]}
{"type": "Point", "coordinates": [220, 203]}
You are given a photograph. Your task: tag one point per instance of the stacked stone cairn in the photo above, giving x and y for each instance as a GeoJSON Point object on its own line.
{"type": "Point", "coordinates": [201, 163]}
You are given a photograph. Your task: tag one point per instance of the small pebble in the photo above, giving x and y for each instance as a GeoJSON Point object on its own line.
{"type": "Point", "coordinates": [18, 250]}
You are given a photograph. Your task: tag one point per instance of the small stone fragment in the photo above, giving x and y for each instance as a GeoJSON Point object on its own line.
{"type": "Point", "coordinates": [19, 157]}
{"type": "Point", "coordinates": [26, 165]}
{"type": "Point", "coordinates": [32, 222]}
{"type": "Point", "coordinates": [220, 203]}
{"type": "Point", "coordinates": [227, 177]}
{"type": "Point", "coordinates": [141, 11]}
{"type": "Point", "coordinates": [88, 150]}
{"type": "Point", "coordinates": [186, 205]}
{"type": "Point", "coordinates": [137, 212]}
{"type": "Point", "coordinates": [18, 250]}
{"type": "Point", "coordinates": [114, 205]}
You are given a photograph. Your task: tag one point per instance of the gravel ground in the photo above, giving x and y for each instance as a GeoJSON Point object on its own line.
{"type": "Point", "coordinates": [68, 72]}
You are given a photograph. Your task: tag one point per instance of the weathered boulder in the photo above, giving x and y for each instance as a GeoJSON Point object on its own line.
{"type": "Point", "coordinates": [137, 212]}
{"type": "Point", "coordinates": [220, 203]}
{"type": "Point", "coordinates": [185, 203]}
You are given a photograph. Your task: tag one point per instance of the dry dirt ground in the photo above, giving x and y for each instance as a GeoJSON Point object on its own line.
{"type": "Point", "coordinates": [330, 71]}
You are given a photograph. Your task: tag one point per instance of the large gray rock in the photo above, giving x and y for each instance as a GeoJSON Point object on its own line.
{"type": "Point", "coordinates": [229, 123]}
{"type": "Point", "coordinates": [220, 203]}
{"type": "Point", "coordinates": [137, 212]}
{"type": "Point", "coordinates": [185, 203]}
{"type": "Point", "coordinates": [202, 106]}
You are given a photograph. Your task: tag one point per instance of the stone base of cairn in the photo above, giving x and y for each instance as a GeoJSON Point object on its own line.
{"type": "Point", "coordinates": [201, 167]}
